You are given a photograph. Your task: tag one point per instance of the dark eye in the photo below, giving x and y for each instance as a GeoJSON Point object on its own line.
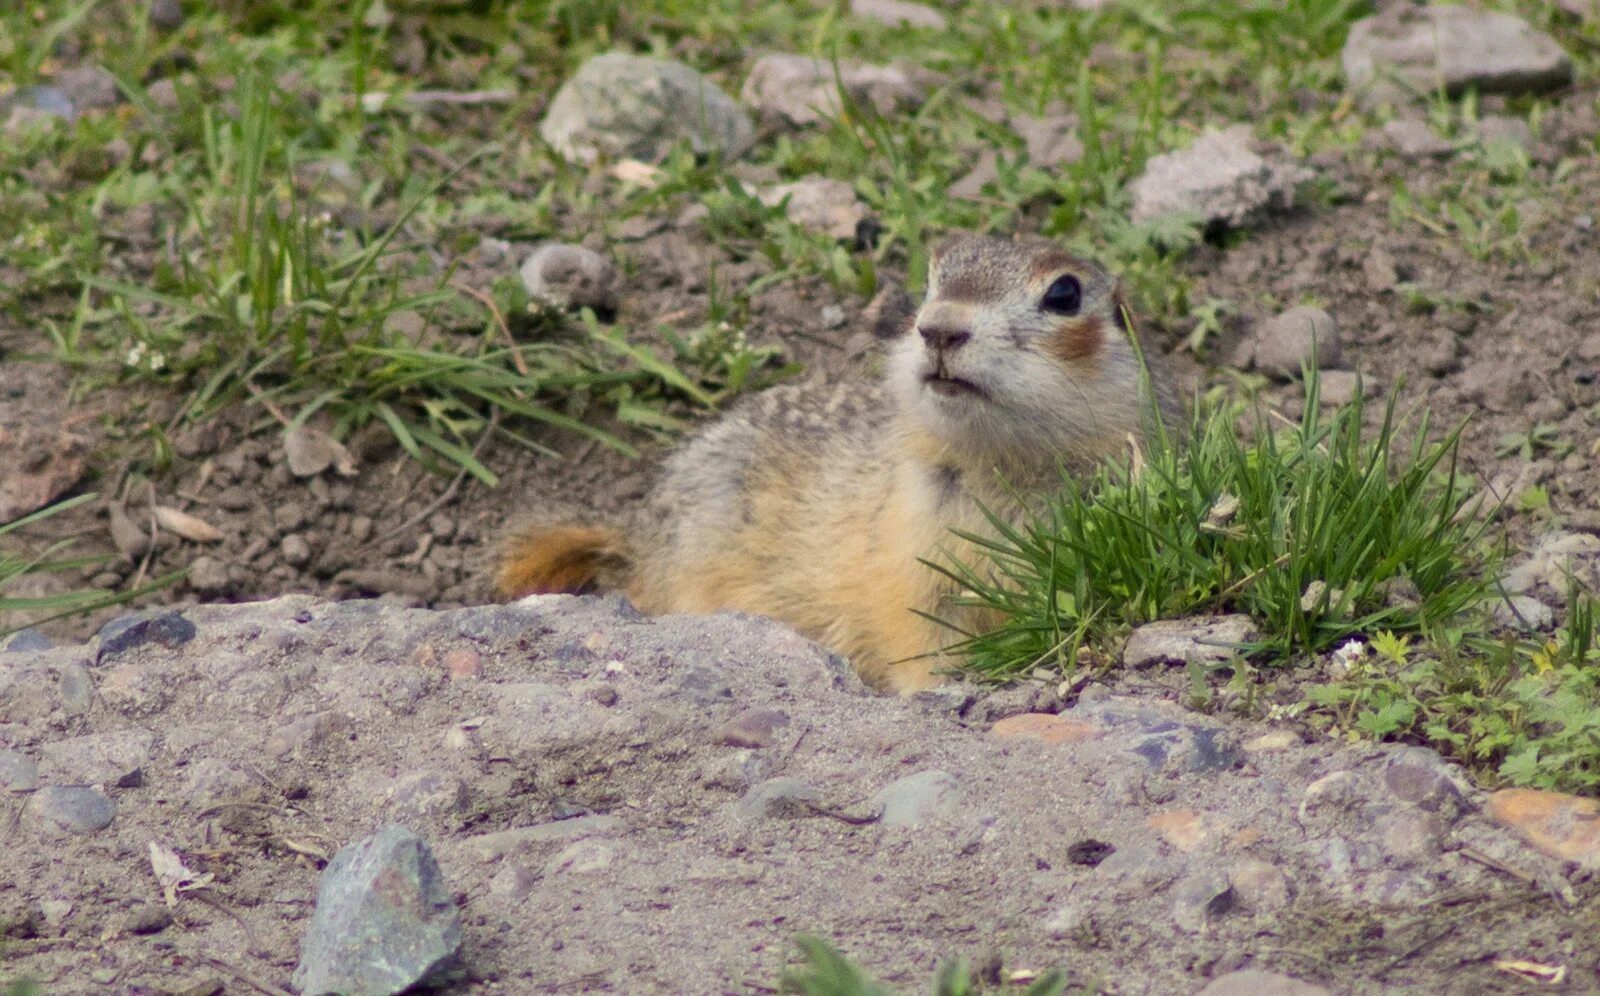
{"type": "Point", "coordinates": [1064, 297]}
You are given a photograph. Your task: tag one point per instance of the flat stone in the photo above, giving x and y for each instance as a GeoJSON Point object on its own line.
{"type": "Point", "coordinates": [1414, 139]}
{"type": "Point", "coordinates": [384, 920]}
{"type": "Point", "coordinates": [625, 106]}
{"type": "Point", "coordinates": [780, 797]}
{"type": "Point", "coordinates": [899, 13]}
{"type": "Point", "coordinates": [1046, 728]}
{"type": "Point", "coordinates": [18, 772]}
{"type": "Point", "coordinates": [1197, 640]}
{"type": "Point", "coordinates": [1563, 826]}
{"type": "Point", "coordinates": [801, 90]}
{"type": "Point", "coordinates": [1259, 886]}
{"type": "Point", "coordinates": [1522, 612]}
{"type": "Point", "coordinates": [124, 633]}
{"type": "Point", "coordinates": [1254, 982]}
{"type": "Point", "coordinates": [1184, 829]}
{"type": "Point", "coordinates": [1220, 178]}
{"type": "Point", "coordinates": [1337, 388]}
{"type": "Point", "coordinates": [753, 728]}
{"type": "Point", "coordinates": [72, 809]}
{"type": "Point", "coordinates": [819, 204]}
{"type": "Point", "coordinates": [1200, 898]}
{"type": "Point", "coordinates": [580, 858]}
{"type": "Point", "coordinates": [917, 798]}
{"type": "Point", "coordinates": [1406, 51]}
{"type": "Point", "coordinates": [1051, 140]}
{"type": "Point", "coordinates": [1303, 335]}
{"type": "Point", "coordinates": [570, 276]}
{"type": "Point", "coordinates": [26, 639]}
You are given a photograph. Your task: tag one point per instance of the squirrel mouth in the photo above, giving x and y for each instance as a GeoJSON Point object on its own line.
{"type": "Point", "coordinates": [947, 386]}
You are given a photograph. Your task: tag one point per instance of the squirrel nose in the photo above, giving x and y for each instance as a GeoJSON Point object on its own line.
{"type": "Point", "coordinates": [945, 340]}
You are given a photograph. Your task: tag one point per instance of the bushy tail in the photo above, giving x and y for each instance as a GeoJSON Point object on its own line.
{"type": "Point", "coordinates": [568, 559]}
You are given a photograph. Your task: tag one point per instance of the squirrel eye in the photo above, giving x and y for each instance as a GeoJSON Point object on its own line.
{"type": "Point", "coordinates": [1064, 297]}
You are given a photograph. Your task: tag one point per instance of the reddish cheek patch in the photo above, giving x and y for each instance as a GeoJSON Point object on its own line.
{"type": "Point", "coordinates": [1077, 339]}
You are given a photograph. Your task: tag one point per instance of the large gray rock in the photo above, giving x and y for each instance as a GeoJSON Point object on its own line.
{"type": "Point", "coordinates": [630, 106]}
{"type": "Point", "coordinates": [384, 920]}
{"type": "Point", "coordinates": [1220, 178]}
{"type": "Point", "coordinates": [1199, 640]}
{"type": "Point", "coordinates": [801, 90]}
{"type": "Point", "coordinates": [1418, 49]}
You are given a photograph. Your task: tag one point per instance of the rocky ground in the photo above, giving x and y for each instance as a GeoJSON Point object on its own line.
{"type": "Point", "coordinates": [630, 805]}
{"type": "Point", "coordinates": [622, 804]}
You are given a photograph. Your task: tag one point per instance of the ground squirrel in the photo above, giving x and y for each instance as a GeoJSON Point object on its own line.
{"type": "Point", "coordinates": [818, 507]}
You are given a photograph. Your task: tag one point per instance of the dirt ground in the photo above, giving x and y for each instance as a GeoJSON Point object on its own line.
{"type": "Point", "coordinates": [1507, 343]}
{"type": "Point", "coordinates": [1504, 343]}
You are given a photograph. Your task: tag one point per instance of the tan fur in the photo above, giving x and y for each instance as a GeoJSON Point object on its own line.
{"type": "Point", "coordinates": [819, 508]}
{"type": "Point", "coordinates": [566, 559]}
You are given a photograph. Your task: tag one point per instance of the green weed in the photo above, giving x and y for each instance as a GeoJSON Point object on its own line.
{"type": "Point", "coordinates": [827, 972]}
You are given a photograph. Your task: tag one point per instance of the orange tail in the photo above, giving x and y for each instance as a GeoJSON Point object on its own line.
{"type": "Point", "coordinates": [560, 559]}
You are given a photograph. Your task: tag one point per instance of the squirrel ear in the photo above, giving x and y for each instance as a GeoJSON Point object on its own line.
{"type": "Point", "coordinates": [943, 246]}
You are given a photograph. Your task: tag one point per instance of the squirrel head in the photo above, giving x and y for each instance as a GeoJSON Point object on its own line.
{"type": "Point", "coordinates": [1021, 356]}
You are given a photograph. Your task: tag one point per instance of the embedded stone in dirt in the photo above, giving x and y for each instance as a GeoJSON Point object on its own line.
{"type": "Point", "coordinates": [1253, 982]}
{"type": "Point", "coordinates": [899, 12]}
{"type": "Point", "coordinates": [45, 462]}
{"type": "Point", "coordinates": [1407, 51]}
{"type": "Point", "coordinates": [628, 106]}
{"type": "Point", "coordinates": [820, 205]}
{"type": "Point", "coordinates": [384, 920]}
{"type": "Point", "coordinates": [1051, 140]}
{"type": "Point", "coordinates": [1563, 826]}
{"type": "Point", "coordinates": [1220, 178]}
{"type": "Point", "coordinates": [71, 809]}
{"type": "Point", "coordinates": [570, 276]}
{"type": "Point", "coordinates": [802, 90]}
{"type": "Point", "coordinates": [1204, 639]}
{"type": "Point", "coordinates": [915, 799]}
{"type": "Point", "coordinates": [1303, 335]}
{"type": "Point", "coordinates": [167, 629]}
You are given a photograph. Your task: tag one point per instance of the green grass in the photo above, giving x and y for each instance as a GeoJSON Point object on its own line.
{"type": "Point", "coordinates": [1325, 530]}
{"type": "Point", "coordinates": [826, 972]}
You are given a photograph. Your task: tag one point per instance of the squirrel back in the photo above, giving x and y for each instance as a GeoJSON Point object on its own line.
{"type": "Point", "coordinates": [823, 507]}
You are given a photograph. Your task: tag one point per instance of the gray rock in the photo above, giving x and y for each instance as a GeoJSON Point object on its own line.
{"type": "Point", "coordinates": [570, 276]}
{"type": "Point", "coordinates": [1259, 886]}
{"type": "Point", "coordinates": [90, 88]}
{"type": "Point", "coordinates": [1254, 982]}
{"type": "Point", "coordinates": [899, 12]}
{"type": "Point", "coordinates": [166, 15]}
{"type": "Point", "coordinates": [1336, 388]}
{"type": "Point", "coordinates": [1414, 139]}
{"type": "Point", "coordinates": [801, 90]}
{"type": "Point", "coordinates": [1174, 747]}
{"type": "Point", "coordinates": [1220, 178]}
{"type": "Point", "coordinates": [1410, 837]}
{"type": "Point", "coordinates": [1424, 787]}
{"type": "Point", "coordinates": [1331, 798]}
{"type": "Point", "coordinates": [1522, 612]}
{"type": "Point", "coordinates": [124, 633]}
{"type": "Point", "coordinates": [74, 689]}
{"type": "Point", "coordinates": [1408, 50]}
{"type": "Point", "coordinates": [71, 809]}
{"type": "Point", "coordinates": [18, 773]}
{"type": "Point", "coordinates": [1301, 335]}
{"type": "Point", "coordinates": [1203, 639]}
{"type": "Point", "coordinates": [627, 106]}
{"type": "Point", "coordinates": [25, 639]}
{"type": "Point", "coordinates": [779, 797]}
{"type": "Point", "coordinates": [208, 575]}
{"type": "Point", "coordinates": [1200, 898]}
{"type": "Point", "coordinates": [984, 172]}
{"type": "Point", "coordinates": [820, 205]}
{"type": "Point", "coordinates": [915, 799]}
{"type": "Point", "coordinates": [752, 728]}
{"type": "Point", "coordinates": [580, 858]}
{"type": "Point", "coordinates": [1494, 128]}
{"type": "Point", "coordinates": [1051, 140]}
{"type": "Point", "coordinates": [384, 920]}
{"type": "Point", "coordinates": [38, 102]}
{"type": "Point", "coordinates": [294, 550]}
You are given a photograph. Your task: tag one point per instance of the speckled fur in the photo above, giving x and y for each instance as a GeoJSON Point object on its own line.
{"type": "Point", "coordinates": [818, 506]}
